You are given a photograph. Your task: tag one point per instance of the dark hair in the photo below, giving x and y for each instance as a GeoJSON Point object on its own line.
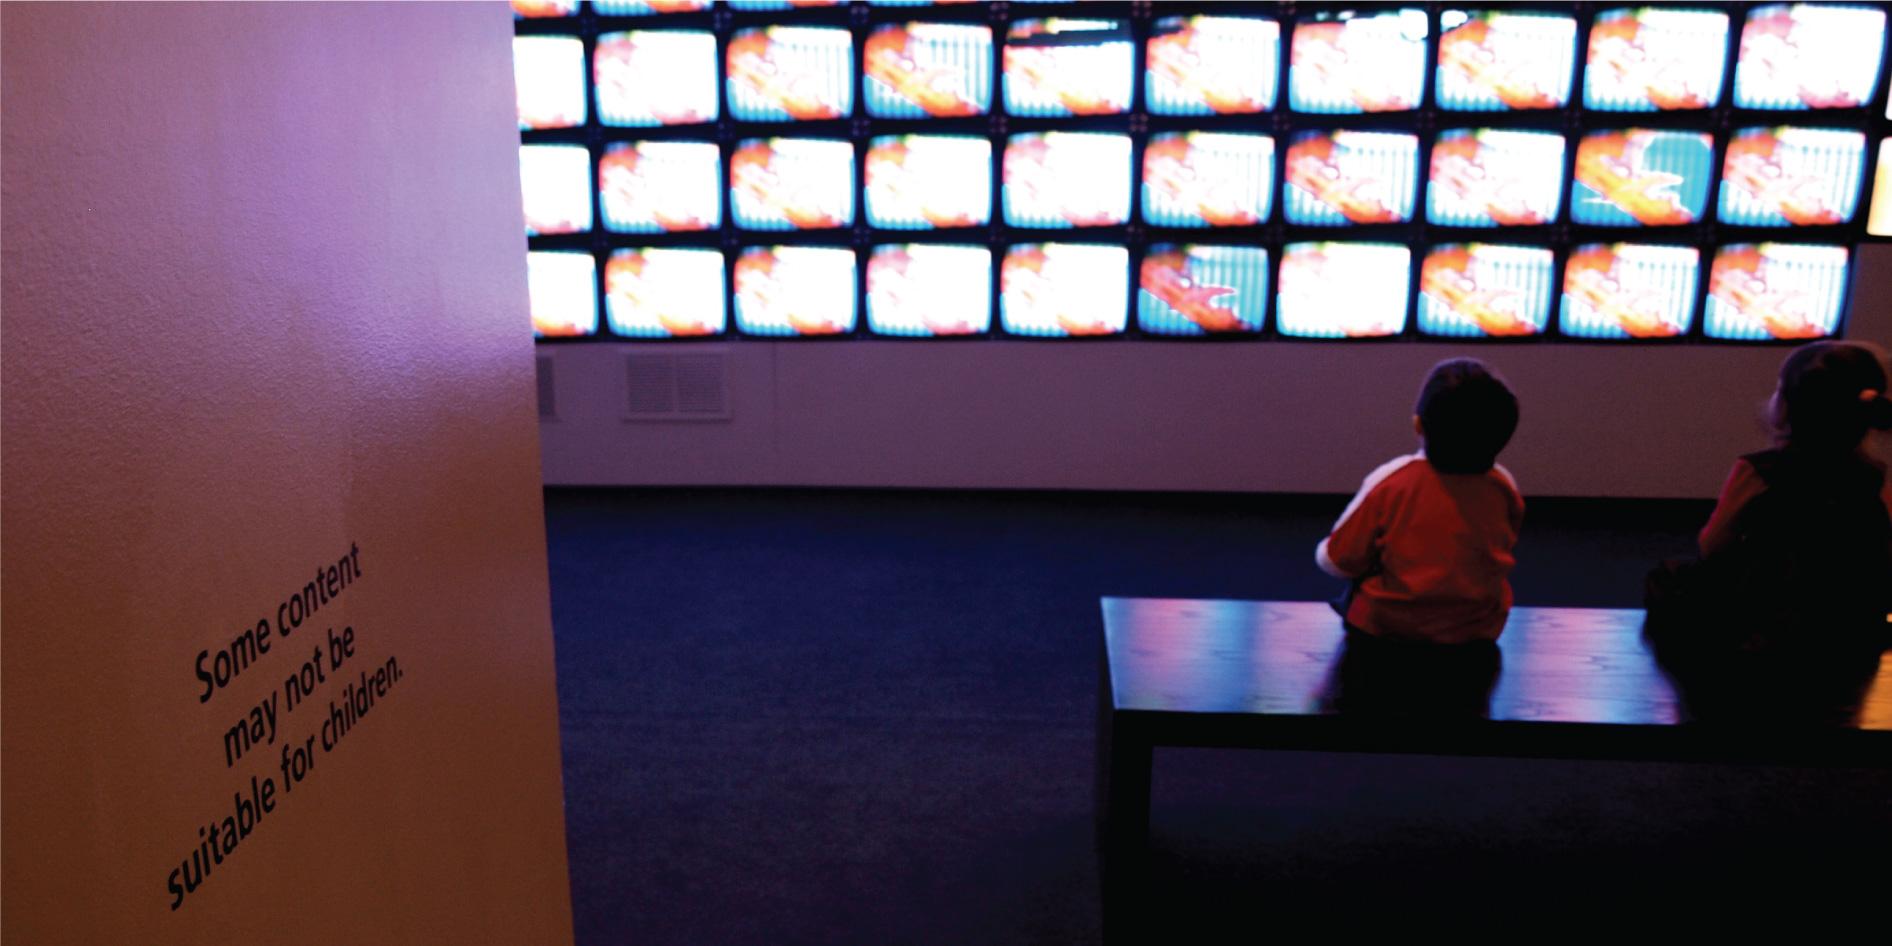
{"type": "Point", "coordinates": [1467, 414]}
{"type": "Point", "coordinates": [1822, 403]}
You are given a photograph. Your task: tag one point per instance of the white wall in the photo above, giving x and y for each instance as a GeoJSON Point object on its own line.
{"type": "Point", "coordinates": [262, 282]}
{"type": "Point", "coordinates": [1599, 420]}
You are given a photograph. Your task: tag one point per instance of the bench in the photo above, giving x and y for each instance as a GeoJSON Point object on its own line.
{"type": "Point", "coordinates": [1574, 683]}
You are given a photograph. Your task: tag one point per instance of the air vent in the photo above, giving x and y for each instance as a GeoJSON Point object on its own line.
{"type": "Point", "coordinates": [677, 387]}
{"type": "Point", "coordinates": [548, 389]}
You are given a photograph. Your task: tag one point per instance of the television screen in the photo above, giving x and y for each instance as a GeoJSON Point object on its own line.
{"type": "Point", "coordinates": [1197, 290]}
{"type": "Point", "coordinates": [1366, 62]}
{"type": "Point", "coordinates": [1649, 59]}
{"type": "Point", "coordinates": [1343, 290]}
{"type": "Point", "coordinates": [534, 9]}
{"type": "Point", "coordinates": [1341, 177]}
{"type": "Point", "coordinates": [656, 77]}
{"type": "Point", "coordinates": [1879, 222]}
{"type": "Point", "coordinates": [1489, 178]}
{"type": "Point", "coordinates": [1783, 177]}
{"type": "Point", "coordinates": [769, 5]}
{"type": "Point", "coordinates": [661, 187]}
{"type": "Point", "coordinates": [647, 7]}
{"type": "Point", "coordinates": [549, 74]}
{"type": "Point", "coordinates": [1055, 290]}
{"type": "Point", "coordinates": [1775, 290]}
{"type": "Point", "coordinates": [921, 182]}
{"type": "Point", "coordinates": [664, 293]}
{"type": "Point", "coordinates": [923, 290]}
{"type": "Point", "coordinates": [1493, 61]}
{"type": "Point", "coordinates": [792, 184]}
{"type": "Point", "coordinates": [556, 184]}
{"type": "Point", "coordinates": [562, 291]}
{"type": "Point", "coordinates": [917, 70]}
{"type": "Point", "coordinates": [1211, 65]}
{"type": "Point", "coordinates": [1207, 179]}
{"type": "Point", "coordinates": [1483, 289]}
{"type": "Point", "coordinates": [1625, 290]}
{"type": "Point", "coordinates": [1060, 67]}
{"type": "Point", "coordinates": [1641, 177]}
{"type": "Point", "coordinates": [795, 290]}
{"type": "Point", "coordinates": [1059, 179]}
{"type": "Point", "coordinates": [1809, 55]}
{"type": "Point", "coordinates": [791, 73]}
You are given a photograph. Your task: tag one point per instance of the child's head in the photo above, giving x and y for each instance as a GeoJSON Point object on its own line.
{"type": "Point", "coordinates": [1830, 394]}
{"type": "Point", "coordinates": [1466, 414]}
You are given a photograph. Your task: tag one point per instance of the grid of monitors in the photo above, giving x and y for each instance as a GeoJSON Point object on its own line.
{"type": "Point", "coordinates": [1240, 170]}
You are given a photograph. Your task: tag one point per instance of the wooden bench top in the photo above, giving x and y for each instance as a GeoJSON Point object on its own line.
{"type": "Point", "coordinates": [1575, 682]}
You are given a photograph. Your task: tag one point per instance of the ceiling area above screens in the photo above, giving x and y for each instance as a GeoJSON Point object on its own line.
{"type": "Point", "coordinates": [1694, 172]}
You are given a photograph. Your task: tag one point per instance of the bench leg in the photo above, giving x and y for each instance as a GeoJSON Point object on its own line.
{"type": "Point", "coordinates": [1124, 757]}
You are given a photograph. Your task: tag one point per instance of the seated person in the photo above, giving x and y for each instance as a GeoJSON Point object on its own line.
{"type": "Point", "coordinates": [1427, 541]}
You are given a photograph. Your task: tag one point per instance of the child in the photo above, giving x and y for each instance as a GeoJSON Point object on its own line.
{"type": "Point", "coordinates": [1796, 560]}
{"type": "Point", "coordinates": [1427, 541]}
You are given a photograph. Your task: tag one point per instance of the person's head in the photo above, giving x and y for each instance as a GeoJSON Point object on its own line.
{"type": "Point", "coordinates": [1466, 414]}
{"type": "Point", "coordinates": [1830, 394]}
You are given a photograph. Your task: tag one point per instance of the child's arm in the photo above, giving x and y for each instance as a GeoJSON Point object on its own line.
{"type": "Point", "coordinates": [1742, 486]}
{"type": "Point", "coordinates": [1352, 548]}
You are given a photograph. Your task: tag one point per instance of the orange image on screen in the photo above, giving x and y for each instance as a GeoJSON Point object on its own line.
{"type": "Point", "coordinates": [624, 279]}
{"type": "Point", "coordinates": [1035, 298]}
{"type": "Point", "coordinates": [1610, 165]}
{"type": "Point", "coordinates": [1739, 279]}
{"type": "Point", "coordinates": [621, 185]}
{"type": "Point", "coordinates": [1458, 165]}
{"type": "Point", "coordinates": [940, 91]}
{"type": "Point", "coordinates": [1447, 276]}
{"type": "Point", "coordinates": [888, 173]}
{"type": "Point", "coordinates": [1341, 56]}
{"type": "Point", "coordinates": [615, 68]}
{"type": "Point", "coordinates": [1166, 276]}
{"type": "Point", "coordinates": [1767, 45]}
{"type": "Point", "coordinates": [889, 284]}
{"type": "Point", "coordinates": [1168, 168]}
{"type": "Point", "coordinates": [1174, 56]}
{"type": "Point", "coordinates": [1754, 167]}
{"type": "Point", "coordinates": [752, 172]}
{"type": "Point", "coordinates": [1468, 50]}
{"type": "Point", "coordinates": [752, 63]}
{"type": "Point", "coordinates": [1618, 46]}
{"type": "Point", "coordinates": [1314, 167]}
{"type": "Point", "coordinates": [1592, 278]}
{"type": "Point", "coordinates": [767, 299]}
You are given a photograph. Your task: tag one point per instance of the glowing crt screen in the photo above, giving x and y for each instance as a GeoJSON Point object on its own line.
{"type": "Point", "coordinates": [1211, 65]}
{"type": "Point", "coordinates": [647, 7]}
{"type": "Point", "coordinates": [1340, 177]}
{"type": "Point", "coordinates": [927, 290]}
{"type": "Point", "coordinates": [534, 9]}
{"type": "Point", "coordinates": [1639, 177]}
{"type": "Point", "coordinates": [1058, 67]}
{"type": "Point", "coordinates": [1809, 55]}
{"type": "Point", "coordinates": [1060, 179]}
{"type": "Point", "coordinates": [664, 293]}
{"type": "Point", "coordinates": [661, 187]}
{"type": "Point", "coordinates": [646, 78]}
{"type": "Point", "coordinates": [923, 182]}
{"type": "Point", "coordinates": [1499, 61]}
{"type": "Point", "coordinates": [1207, 179]}
{"type": "Point", "coordinates": [795, 290]}
{"type": "Point", "coordinates": [1490, 178]}
{"type": "Point", "coordinates": [1879, 223]}
{"type": "Point", "coordinates": [1200, 290]}
{"type": "Point", "coordinates": [1624, 290]}
{"type": "Point", "coordinates": [791, 73]}
{"type": "Point", "coordinates": [922, 70]}
{"type": "Point", "coordinates": [1343, 290]}
{"type": "Point", "coordinates": [549, 74]}
{"type": "Point", "coordinates": [1758, 291]}
{"type": "Point", "coordinates": [562, 291]}
{"type": "Point", "coordinates": [1055, 290]}
{"type": "Point", "coordinates": [1369, 62]}
{"type": "Point", "coordinates": [1785, 177]}
{"type": "Point", "coordinates": [1472, 290]}
{"type": "Point", "coordinates": [792, 184]}
{"type": "Point", "coordinates": [555, 181]}
{"type": "Point", "coordinates": [1648, 60]}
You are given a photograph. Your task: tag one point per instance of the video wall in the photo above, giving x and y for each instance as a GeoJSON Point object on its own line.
{"type": "Point", "coordinates": [906, 169]}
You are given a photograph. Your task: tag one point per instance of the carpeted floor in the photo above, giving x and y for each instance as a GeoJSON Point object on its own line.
{"type": "Point", "coordinates": [867, 717]}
